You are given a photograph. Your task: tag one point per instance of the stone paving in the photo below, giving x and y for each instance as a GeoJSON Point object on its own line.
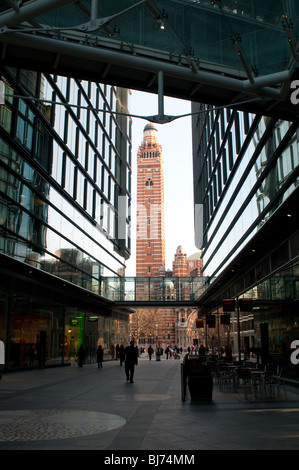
{"type": "Point", "coordinates": [96, 409]}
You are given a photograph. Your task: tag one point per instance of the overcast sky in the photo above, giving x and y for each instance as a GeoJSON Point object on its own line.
{"type": "Point", "coordinates": [176, 142]}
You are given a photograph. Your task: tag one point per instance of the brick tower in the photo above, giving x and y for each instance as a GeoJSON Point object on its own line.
{"type": "Point", "coordinates": [150, 243]}
{"type": "Point", "coordinates": [180, 264]}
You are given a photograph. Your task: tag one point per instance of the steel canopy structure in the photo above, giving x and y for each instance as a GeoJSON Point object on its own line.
{"type": "Point", "coordinates": [241, 53]}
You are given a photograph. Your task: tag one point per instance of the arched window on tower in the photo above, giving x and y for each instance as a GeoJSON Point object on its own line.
{"type": "Point", "coordinates": [149, 182]}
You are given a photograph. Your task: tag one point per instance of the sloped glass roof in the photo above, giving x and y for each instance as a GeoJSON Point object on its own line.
{"type": "Point", "coordinates": [220, 50]}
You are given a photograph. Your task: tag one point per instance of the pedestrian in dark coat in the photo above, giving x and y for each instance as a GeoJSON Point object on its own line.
{"type": "Point", "coordinates": [81, 355]}
{"type": "Point", "coordinates": [131, 360]}
{"type": "Point", "coordinates": [121, 354]}
{"type": "Point", "coordinates": [150, 352]}
{"type": "Point", "coordinates": [100, 357]}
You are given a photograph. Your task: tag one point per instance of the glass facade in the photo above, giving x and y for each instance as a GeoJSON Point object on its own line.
{"type": "Point", "coordinates": [206, 31]}
{"type": "Point", "coordinates": [249, 166]}
{"type": "Point", "coordinates": [65, 163]}
{"type": "Point", "coordinates": [246, 170]}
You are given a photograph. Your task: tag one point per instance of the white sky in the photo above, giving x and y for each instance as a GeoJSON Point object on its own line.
{"type": "Point", "coordinates": [176, 142]}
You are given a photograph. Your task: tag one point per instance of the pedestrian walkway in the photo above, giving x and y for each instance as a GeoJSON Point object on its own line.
{"type": "Point", "coordinates": [88, 408]}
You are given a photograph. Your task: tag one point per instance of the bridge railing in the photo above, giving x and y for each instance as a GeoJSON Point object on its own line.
{"type": "Point", "coordinates": [151, 289]}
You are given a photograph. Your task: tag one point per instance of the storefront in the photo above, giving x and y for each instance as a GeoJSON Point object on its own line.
{"type": "Point", "coordinates": [38, 333]}
{"type": "Point", "coordinates": [267, 328]}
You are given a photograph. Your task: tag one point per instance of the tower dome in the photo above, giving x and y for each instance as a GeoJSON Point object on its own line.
{"type": "Point", "coordinates": [180, 250]}
{"type": "Point", "coordinates": [150, 130]}
{"type": "Point", "coordinates": [150, 126]}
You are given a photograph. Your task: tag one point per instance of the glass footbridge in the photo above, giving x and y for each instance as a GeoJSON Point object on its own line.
{"type": "Point", "coordinates": [133, 291]}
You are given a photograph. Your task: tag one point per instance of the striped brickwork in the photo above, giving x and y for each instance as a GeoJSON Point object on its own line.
{"type": "Point", "coordinates": [150, 244]}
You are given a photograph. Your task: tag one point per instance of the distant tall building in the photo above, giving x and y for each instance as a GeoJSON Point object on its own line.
{"type": "Point", "coordinates": [150, 245]}
{"type": "Point", "coordinates": [166, 326]}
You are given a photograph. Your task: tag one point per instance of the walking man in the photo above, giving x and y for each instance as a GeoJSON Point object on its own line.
{"type": "Point", "coordinates": [150, 352]}
{"type": "Point", "coordinates": [131, 359]}
{"type": "Point", "coordinates": [100, 357]}
{"type": "Point", "coordinates": [81, 355]}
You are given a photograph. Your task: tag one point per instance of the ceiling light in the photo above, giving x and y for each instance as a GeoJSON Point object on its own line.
{"type": "Point", "coordinates": [160, 20]}
{"type": "Point", "coordinates": [159, 24]}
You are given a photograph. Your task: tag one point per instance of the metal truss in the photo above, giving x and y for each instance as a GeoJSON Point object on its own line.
{"type": "Point", "coordinates": [80, 50]}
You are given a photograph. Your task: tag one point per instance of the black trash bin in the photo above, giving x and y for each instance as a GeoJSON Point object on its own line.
{"type": "Point", "coordinates": [200, 381]}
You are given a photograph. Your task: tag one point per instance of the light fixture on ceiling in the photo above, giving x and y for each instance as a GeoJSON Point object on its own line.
{"type": "Point", "coordinates": [160, 23]}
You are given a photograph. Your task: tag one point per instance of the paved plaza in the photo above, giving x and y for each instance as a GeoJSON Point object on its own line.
{"type": "Point", "coordinates": [71, 408]}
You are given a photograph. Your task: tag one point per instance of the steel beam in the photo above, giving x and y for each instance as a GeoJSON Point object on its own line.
{"type": "Point", "coordinates": [31, 10]}
{"type": "Point", "coordinates": [261, 86]}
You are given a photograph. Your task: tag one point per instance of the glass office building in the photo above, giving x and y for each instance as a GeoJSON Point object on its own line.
{"type": "Point", "coordinates": [246, 197]}
{"type": "Point", "coordinates": [65, 163]}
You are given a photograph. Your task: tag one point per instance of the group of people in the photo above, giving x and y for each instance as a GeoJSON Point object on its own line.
{"type": "Point", "coordinates": [128, 355]}
{"type": "Point", "coordinates": [120, 353]}
{"type": "Point", "coordinates": [169, 352]}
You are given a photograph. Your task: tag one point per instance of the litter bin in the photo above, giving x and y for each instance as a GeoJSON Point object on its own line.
{"type": "Point", "coordinates": [158, 357]}
{"type": "Point", "coordinates": [200, 381]}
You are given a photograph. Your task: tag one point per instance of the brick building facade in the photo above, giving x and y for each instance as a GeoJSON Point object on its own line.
{"type": "Point", "coordinates": [183, 266]}
{"type": "Point", "coordinates": [161, 326]}
{"type": "Point", "coordinates": [150, 249]}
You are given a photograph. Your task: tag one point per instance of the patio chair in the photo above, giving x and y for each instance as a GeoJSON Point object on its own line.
{"type": "Point", "coordinates": [257, 382]}
{"type": "Point", "coordinates": [244, 382]}
{"type": "Point", "coordinates": [227, 380]}
{"type": "Point", "coordinates": [276, 383]}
